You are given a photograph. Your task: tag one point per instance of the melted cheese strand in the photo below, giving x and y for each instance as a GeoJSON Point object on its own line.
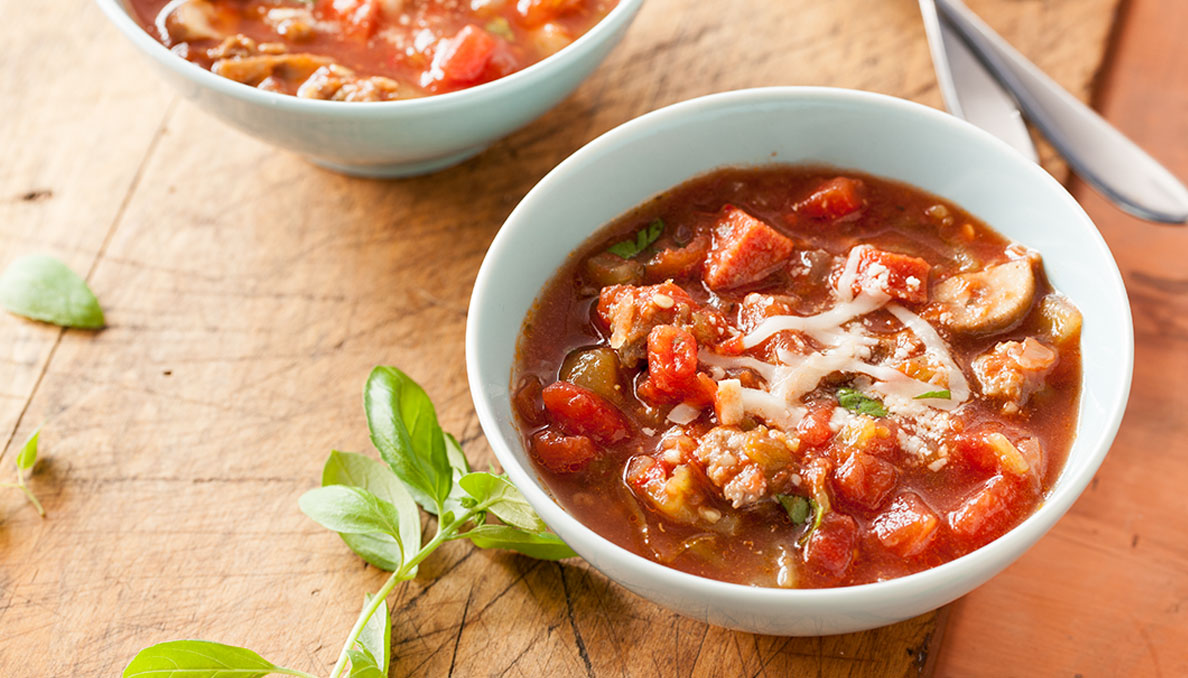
{"type": "Point", "coordinates": [824, 326]}
{"type": "Point", "coordinates": [958, 386]}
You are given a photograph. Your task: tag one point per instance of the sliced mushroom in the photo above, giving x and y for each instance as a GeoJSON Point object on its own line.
{"type": "Point", "coordinates": [986, 301]}
{"type": "Point", "coordinates": [186, 21]}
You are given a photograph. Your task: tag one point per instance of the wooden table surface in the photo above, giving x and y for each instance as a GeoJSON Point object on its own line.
{"type": "Point", "coordinates": [248, 293]}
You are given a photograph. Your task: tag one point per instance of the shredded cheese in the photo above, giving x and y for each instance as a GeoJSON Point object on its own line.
{"type": "Point", "coordinates": [845, 346]}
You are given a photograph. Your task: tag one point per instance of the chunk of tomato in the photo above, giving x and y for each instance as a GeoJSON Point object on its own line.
{"type": "Point", "coordinates": [535, 13]}
{"type": "Point", "coordinates": [463, 58]}
{"type": "Point", "coordinates": [865, 480]}
{"type": "Point", "coordinates": [814, 429]}
{"type": "Point", "coordinates": [898, 275]}
{"type": "Point", "coordinates": [833, 199]}
{"type": "Point", "coordinates": [987, 511]}
{"type": "Point", "coordinates": [358, 18]}
{"type": "Point", "coordinates": [581, 412]}
{"type": "Point", "coordinates": [744, 250]}
{"type": "Point", "coordinates": [831, 546]}
{"type": "Point", "coordinates": [672, 358]}
{"type": "Point", "coordinates": [907, 526]}
{"type": "Point", "coordinates": [560, 453]}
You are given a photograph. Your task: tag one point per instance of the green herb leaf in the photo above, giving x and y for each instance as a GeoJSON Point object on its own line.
{"type": "Point", "coordinates": [45, 289]}
{"type": "Point", "coordinates": [459, 467]}
{"type": "Point", "coordinates": [540, 545]}
{"type": "Point", "coordinates": [796, 506]}
{"type": "Point", "coordinates": [404, 429]}
{"type": "Point", "coordinates": [940, 395]}
{"type": "Point", "coordinates": [501, 27]}
{"type": "Point", "coordinates": [357, 470]}
{"type": "Point", "coordinates": [646, 236]}
{"type": "Point", "coordinates": [376, 636]}
{"type": "Point", "coordinates": [506, 501]}
{"type": "Point", "coordinates": [819, 510]}
{"type": "Point", "coordinates": [28, 454]}
{"type": "Point", "coordinates": [856, 401]}
{"type": "Point", "coordinates": [352, 510]}
{"type": "Point", "coordinates": [198, 659]}
{"type": "Point", "coordinates": [363, 665]}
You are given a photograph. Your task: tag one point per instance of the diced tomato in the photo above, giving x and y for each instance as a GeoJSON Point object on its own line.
{"type": "Point", "coordinates": [907, 526]}
{"type": "Point", "coordinates": [642, 470]}
{"type": "Point", "coordinates": [358, 18]}
{"type": "Point", "coordinates": [987, 510]}
{"type": "Point", "coordinates": [831, 546]}
{"type": "Point", "coordinates": [899, 275]}
{"type": "Point", "coordinates": [672, 358]}
{"type": "Point", "coordinates": [581, 412]}
{"type": "Point", "coordinates": [560, 453]}
{"type": "Point", "coordinates": [969, 448]}
{"type": "Point", "coordinates": [678, 262]}
{"type": "Point", "coordinates": [833, 199]}
{"type": "Point", "coordinates": [463, 58]}
{"type": "Point", "coordinates": [744, 250]}
{"type": "Point", "coordinates": [864, 479]}
{"type": "Point", "coordinates": [527, 402]}
{"type": "Point", "coordinates": [814, 429]}
{"type": "Point", "coordinates": [535, 13]}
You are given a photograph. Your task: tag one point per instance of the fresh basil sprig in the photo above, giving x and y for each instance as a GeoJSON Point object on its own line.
{"type": "Point", "coordinates": [25, 460]}
{"type": "Point", "coordinates": [43, 288]}
{"type": "Point", "coordinates": [646, 236]}
{"type": "Point", "coordinates": [857, 401]}
{"type": "Point", "coordinates": [373, 507]}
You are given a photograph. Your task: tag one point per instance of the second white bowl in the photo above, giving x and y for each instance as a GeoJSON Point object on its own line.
{"type": "Point", "coordinates": [390, 138]}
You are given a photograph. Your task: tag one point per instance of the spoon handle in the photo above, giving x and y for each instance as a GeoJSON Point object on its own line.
{"type": "Point", "coordinates": [1098, 152]}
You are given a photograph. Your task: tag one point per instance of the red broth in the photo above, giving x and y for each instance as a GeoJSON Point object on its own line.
{"type": "Point", "coordinates": [367, 50]}
{"type": "Point", "coordinates": [802, 378]}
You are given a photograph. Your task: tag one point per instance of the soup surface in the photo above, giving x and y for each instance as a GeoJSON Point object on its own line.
{"type": "Point", "coordinates": [794, 378]}
{"type": "Point", "coordinates": [367, 50]}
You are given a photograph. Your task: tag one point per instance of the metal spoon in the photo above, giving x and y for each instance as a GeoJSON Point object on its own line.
{"type": "Point", "coordinates": [1099, 153]}
{"type": "Point", "coordinates": [969, 90]}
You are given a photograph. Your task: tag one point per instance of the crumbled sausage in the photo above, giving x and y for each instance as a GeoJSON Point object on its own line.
{"type": "Point", "coordinates": [1013, 370]}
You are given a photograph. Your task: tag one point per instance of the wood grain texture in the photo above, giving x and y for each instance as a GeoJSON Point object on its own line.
{"type": "Point", "coordinates": [1106, 593]}
{"type": "Point", "coordinates": [249, 293]}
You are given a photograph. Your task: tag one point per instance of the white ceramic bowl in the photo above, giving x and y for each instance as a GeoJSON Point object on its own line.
{"type": "Point", "coordinates": [391, 138]}
{"type": "Point", "coordinates": [848, 129]}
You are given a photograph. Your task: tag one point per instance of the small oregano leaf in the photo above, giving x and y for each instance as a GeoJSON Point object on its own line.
{"type": "Point", "coordinates": [404, 429]}
{"type": "Point", "coordinates": [352, 510]}
{"type": "Point", "coordinates": [27, 457]}
{"type": "Point", "coordinates": [506, 501]}
{"type": "Point", "coordinates": [939, 395]}
{"type": "Point", "coordinates": [376, 636]}
{"type": "Point", "coordinates": [197, 659]}
{"type": "Point", "coordinates": [856, 401]}
{"type": "Point", "coordinates": [357, 470]}
{"type": "Point", "coordinates": [796, 506]}
{"type": "Point", "coordinates": [645, 237]}
{"type": "Point", "coordinates": [542, 545]}
{"type": "Point", "coordinates": [43, 288]}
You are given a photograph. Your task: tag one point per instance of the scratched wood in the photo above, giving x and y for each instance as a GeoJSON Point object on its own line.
{"type": "Point", "coordinates": [248, 295]}
{"type": "Point", "coordinates": [1106, 593]}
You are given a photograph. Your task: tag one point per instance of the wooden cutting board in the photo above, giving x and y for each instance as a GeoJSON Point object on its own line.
{"type": "Point", "coordinates": [248, 295]}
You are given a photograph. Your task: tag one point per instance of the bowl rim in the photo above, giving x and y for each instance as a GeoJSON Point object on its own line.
{"type": "Point", "coordinates": [1004, 549]}
{"type": "Point", "coordinates": [119, 13]}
